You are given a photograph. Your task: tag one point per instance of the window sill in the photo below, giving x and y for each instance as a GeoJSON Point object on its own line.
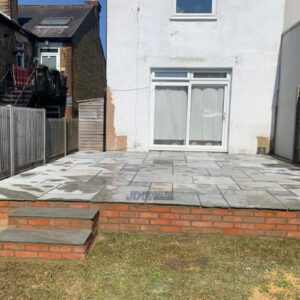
{"type": "Point", "coordinates": [182, 17]}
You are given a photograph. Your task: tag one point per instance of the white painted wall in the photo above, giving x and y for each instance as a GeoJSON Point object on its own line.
{"type": "Point", "coordinates": [287, 100]}
{"type": "Point", "coordinates": [292, 15]}
{"type": "Point", "coordinates": [245, 37]}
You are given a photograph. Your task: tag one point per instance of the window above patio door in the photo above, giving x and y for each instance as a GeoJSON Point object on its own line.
{"type": "Point", "coordinates": [189, 110]}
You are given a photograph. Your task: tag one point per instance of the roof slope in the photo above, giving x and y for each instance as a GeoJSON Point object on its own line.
{"type": "Point", "coordinates": [8, 20]}
{"type": "Point", "coordinates": [30, 17]}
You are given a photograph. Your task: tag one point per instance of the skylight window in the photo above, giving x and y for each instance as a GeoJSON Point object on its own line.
{"type": "Point", "coordinates": [55, 21]}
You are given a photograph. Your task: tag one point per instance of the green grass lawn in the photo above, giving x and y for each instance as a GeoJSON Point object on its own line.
{"type": "Point", "coordinates": [140, 266]}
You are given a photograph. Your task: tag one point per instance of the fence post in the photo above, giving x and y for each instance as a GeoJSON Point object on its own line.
{"type": "Point", "coordinates": [12, 141]}
{"type": "Point", "coordinates": [66, 136]}
{"type": "Point", "coordinates": [45, 136]}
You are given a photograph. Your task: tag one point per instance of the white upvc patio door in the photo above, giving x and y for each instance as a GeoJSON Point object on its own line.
{"type": "Point", "coordinates": [190, 115]}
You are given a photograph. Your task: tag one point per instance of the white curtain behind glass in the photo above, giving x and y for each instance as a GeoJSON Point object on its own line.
{"type": "Point", "coordinates": [170, 114]}
{"type": "Point", "coordinates": [207, 114]}
{"type": "Point", "coordinates": [49, 61]}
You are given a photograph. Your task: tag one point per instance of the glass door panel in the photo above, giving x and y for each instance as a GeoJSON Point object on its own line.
{"type": "Point", "coordinates": [170, 115]}
{"type": "Point", "coordinates": [206, 116]}
{"type": "Point", "coordinates": [50, 61]}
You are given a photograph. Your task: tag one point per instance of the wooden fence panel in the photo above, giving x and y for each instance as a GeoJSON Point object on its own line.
{"type": "Point", "coordinates": [72, 135]}
{"type": "Point", "coordinates": [28, 139]}
{"type": "Point", "coordinates": [4, 142]}
{"type": "Point", "coordinates": [55, 138]}
{"type": "Point", "coordinates": [91, 124]}
{"type": "Point", "coordinates": [28, 132]}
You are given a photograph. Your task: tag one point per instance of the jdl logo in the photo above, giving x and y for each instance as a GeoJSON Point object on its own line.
{"type": "Point", "coordinates": [136, 195]}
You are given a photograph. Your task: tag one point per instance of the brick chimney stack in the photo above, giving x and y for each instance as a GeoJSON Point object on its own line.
{"type": "Point", "coordinates": [97, 9]}
{"type": "Point", "coordinates": [10, 8]}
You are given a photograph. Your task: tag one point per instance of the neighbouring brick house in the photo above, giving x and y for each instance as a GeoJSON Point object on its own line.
{"type": "Point", "coordinates": [16, 43]}
{"type": "Point", "coordinates": [68, 40]}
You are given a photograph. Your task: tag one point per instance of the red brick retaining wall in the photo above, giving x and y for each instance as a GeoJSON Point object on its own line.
{"type": "Point", "coordinates": [178, 219]}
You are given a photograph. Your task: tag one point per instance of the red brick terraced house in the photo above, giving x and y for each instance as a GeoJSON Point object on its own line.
{"type": "Point", "coordinates": [67, 40]}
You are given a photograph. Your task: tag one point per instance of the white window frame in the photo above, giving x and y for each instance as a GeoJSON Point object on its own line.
{"type": "Point", "coordinates": [50, 46]}
{"type": "Point", "coordinates": [189, 82]}
{"type": "Point", "coordinates": [187, 16]}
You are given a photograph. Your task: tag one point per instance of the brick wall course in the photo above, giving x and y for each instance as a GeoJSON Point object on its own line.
{"type": "Point", "coordinates": [176, 219]}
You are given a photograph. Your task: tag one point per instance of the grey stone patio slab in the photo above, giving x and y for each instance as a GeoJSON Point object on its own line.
{"type": "Point", "coordinates": [251, 172]}
{"type": "Point", "coordinates": [109, 173]}
{"type": "Point", "coordinates": [181, 170]}
{"type": "Point", "coordinates": [271, 178]}
{"type": "Point", "coordinates": [74, 173]}
{"type": "Point", "coordinates": [141, 184]}
{"type": "Point", "coordinates": [161, 187]}
{"type": "Point", "coordinates": [45, 212]}
{"type": "Point", "coordinates": [163, 178]}
{"type": "Point", "coordinates": [133, 168]}
{"type": "Point", "coordinates": [292, 203]}
{"type": "Point", "coordinates": [16, 193]}
{"type": "Point", "coordinates": [84, 167]}
{"type": "Point", "coordinates": [252, 199]}
{"type": "Point", "coordinates": [166, 171]}
{"type": "Point", "coordinates": [181, 199]}
{"type": "Point", "coordinates": [213, 200]}
{"type": "Point", "coordinates": [47, 186]}
{"type": "Point", "coordinates": [163, 162]}
{"type": "Point", "coordinates": [227, 172]}
{"type": "Point", "coordinates": [110, 167]}
{"type": "Point", "coordinates": [295, 191]}
{"type": "Point", "coordinates": [120, 161]}
{"type": "Point", "coordinates": [41, 236]}
{"type": "Point", "coordinates": [153, 154]}
{"type": "Point", "coordinates": [272, 187]}
{"type": "Point", "coordinates": [106, 180]}
{"type": "Point", "coordinates": [66, 197]}
{"type": "Point", "coordinates": [242, 164]}
{"type": "Point", "coordinates": [205, 164]}
{"type": "Point", "coordinates": [222, 182]}
{"type": "Point", "coordinates": [235, 165]}
{"type": "Point", "coordinates": [172, 155]}
{"type": "Point", "coordinates": [121, 194]}
{"type": "Point", "coordinates": [26, 181]}
{"type": "Point", "coordinates": [76, 189]}
{"type": "Point", "coordinates": [195, 188]}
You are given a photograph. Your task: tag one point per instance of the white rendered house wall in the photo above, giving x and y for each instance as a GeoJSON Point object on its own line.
{"type": "Point", "coordinates": [243, 38]}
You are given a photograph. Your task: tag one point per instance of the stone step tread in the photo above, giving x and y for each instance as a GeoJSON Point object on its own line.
{"type": "Point", "coordinates": [46, 236]}
{"type": "Point", "coordinates": [59, 213]}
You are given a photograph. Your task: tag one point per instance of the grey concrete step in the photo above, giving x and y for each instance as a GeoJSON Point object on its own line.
{"type": "Point", "coordinates": [43, 236]}
{"type": "Point", "coordinates": [58, 213]}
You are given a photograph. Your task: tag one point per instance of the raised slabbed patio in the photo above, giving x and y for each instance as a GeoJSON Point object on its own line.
{"type": "Point", "coordinates": [187, 192]}
{"type": "Point", "coordinates": [172, 178]}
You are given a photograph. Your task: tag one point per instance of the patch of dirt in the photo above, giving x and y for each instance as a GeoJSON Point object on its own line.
{"type": "Point", "coordinates": [281, 284]}
{"type": "Point", "coordinates": [258, 295]}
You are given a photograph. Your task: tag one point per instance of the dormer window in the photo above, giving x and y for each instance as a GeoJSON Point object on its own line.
{"type": "Point", "coordinates": [194, 9]}
{"type": "Point", "coordinates": [55, 21]}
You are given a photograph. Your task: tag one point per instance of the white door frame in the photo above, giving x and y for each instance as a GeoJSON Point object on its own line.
{"type": "Point", "coordinates": [50, 46]}
{"type": "Point", "coordinates": [224, 82]}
